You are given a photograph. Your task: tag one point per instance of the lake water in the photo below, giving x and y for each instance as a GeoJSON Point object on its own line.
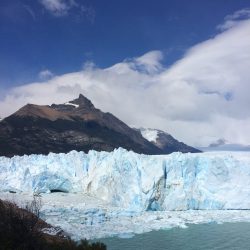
{"type": "Point", "coordinates": [229, 236]}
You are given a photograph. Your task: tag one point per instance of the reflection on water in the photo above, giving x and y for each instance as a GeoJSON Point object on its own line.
{"type": "Point", "coordinates": [229, 236]}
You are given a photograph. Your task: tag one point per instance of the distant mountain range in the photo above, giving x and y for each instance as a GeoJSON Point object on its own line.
{"type": "Point", "coordinates": [223, 145]}
{"type": "Point", "coordinates": [76, 125]}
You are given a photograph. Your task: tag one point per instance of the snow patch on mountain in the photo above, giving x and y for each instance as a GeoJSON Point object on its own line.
{"type": "Point", "coordinates": [149, 134]}
{"type": "Point", "coordinates": [71, 104]}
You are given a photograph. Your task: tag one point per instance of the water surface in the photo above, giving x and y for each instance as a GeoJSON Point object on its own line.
{"type": "Point", "coordinates": [230, 236]}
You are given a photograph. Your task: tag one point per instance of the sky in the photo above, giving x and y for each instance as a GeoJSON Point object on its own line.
{"type": "Point", "coordinates": [176, 65]}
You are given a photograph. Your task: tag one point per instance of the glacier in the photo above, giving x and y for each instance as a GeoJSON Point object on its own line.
{"type": "Point", "coordinates": [135, 182]}
{"type": "Point", "coordinates": [122, 193]}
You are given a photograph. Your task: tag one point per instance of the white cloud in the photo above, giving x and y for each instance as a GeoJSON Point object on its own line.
{"type": "Point", "coordinates": [149, 62]}
{"type": "Point", "coordinates": [45, 74]}
{"type": "Point", "coordinates": [202, 97]}
{"type": "Point", "coordinates": [234, 19]}
{"type": "Point", "coordinates": [89, 65]}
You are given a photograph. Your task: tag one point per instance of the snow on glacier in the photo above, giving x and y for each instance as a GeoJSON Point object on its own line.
{"type": "Point", "coordinates": [136, 182]}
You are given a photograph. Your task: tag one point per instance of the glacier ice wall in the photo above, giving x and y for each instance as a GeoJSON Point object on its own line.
{"type": "Point", "coordinates": [136, 182]}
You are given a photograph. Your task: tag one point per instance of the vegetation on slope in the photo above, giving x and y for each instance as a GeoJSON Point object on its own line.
{"type": "Point", "coordinates": [21, 229]}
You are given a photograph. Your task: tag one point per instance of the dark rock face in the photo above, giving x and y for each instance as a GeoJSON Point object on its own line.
{"type": "Point", "coordinates": [76, 125]}
{"type": "Point", "coordinates": [169, 144]}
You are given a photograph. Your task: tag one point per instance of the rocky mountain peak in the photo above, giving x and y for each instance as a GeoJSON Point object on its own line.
{"type": "Point", "coordinates": [83, 102]}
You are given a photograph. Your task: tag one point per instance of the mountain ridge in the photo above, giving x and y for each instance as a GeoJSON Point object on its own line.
{"type": "Point", "coordinates": [74, 125]}
{"type": "Point", "coordinates": [60, 128]}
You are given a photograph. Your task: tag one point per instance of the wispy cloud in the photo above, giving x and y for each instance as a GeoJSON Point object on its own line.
{"type": "Point", "coordinates": [88, 12]}
{"type": "Point", "coordinates": [30, 11]}
{"type": "Point", "coordinates": [17, 12]}
{"type": "Point", "coordinates": [45, 74]}
{"type": "Point", "coordinates": [202, 97]}
{"type": "Point", "coordinates": [57, 7]}
{"type": "Point", "coordinates": [234, 19]}
{"type": "Point", "coordinates": [60, 8]}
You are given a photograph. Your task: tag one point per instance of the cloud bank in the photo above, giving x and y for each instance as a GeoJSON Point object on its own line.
{"type": "Point", "coordinates": [199, 99]}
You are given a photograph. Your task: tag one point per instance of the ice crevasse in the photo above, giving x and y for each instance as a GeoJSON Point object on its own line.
{"type": "Point", "coordinates": [136, 182]}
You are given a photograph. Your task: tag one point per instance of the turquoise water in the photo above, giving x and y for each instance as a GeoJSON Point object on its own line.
{"type": "Point", "coordinates": [229, 236]}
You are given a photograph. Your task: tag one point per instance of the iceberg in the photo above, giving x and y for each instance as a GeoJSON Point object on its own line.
{"type": "Point", "coordinates": [136, 182]}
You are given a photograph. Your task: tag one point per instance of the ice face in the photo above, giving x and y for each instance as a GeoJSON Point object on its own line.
{"type": "Point", "coordinates": [136, 182]}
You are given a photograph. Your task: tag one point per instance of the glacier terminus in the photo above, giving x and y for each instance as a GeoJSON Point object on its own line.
{"type": "Point", "coordinates": [95, 189]}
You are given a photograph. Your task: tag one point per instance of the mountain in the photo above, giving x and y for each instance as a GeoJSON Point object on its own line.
{"type": "Point", "coordinates": [60, 128]}
{"type": "Point", "coordinates": [165, 141]}
{"type": "Point", "coordinates": [224, 145]}
{"type": "Point", "coordinates": [218, 143]}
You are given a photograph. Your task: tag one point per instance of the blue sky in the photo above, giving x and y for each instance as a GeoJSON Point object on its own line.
{"type": "Point", "coordinates": [179, 66]}
{"type": "Point", "coordinates": [34, 38]}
